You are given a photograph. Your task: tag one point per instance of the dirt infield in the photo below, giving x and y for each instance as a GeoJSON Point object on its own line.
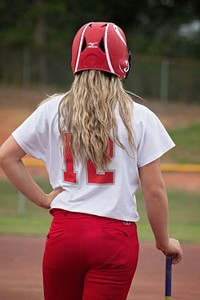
{"type": "Point", "coordinates": [20, 272]}
{"type": "Point", "coordinates": [182, 180]}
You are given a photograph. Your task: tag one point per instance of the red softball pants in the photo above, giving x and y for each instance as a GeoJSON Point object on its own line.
{"type": "Point", "coordinates": [88, 257]}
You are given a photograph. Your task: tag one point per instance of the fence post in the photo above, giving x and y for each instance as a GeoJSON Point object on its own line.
{"type": "Point", "coordinates": [164, 80]}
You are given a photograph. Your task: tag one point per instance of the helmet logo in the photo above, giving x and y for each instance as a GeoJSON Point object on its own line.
{"type": "Point", "coordinates": [126, 69]}
{"type": "Point", "coordinates": [92, 45]}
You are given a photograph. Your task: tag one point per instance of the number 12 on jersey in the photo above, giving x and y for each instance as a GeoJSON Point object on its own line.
{"type": "Point", "coordinates": [93, 176]}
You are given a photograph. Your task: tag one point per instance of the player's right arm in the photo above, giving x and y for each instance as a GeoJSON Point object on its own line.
{"type": "Point", "coordinates": [11, 155]}
{"type": "Point", "coordinates": [156, 203]}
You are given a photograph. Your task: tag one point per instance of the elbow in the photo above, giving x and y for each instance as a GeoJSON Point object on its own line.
{"type": "Point", "coordinates": [158, 192]}
{"type": "Point", "coordinates": [3, 159]}
{"type": "Point", "coordinates": [155, 192]}
{"type": "Point", "coordinates": [10, 153]}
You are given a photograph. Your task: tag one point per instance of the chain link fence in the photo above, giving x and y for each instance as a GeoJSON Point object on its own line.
{"type": "Point", "coordinates": [163, 80]}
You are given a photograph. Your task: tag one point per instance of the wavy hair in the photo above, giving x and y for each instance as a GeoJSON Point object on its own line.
{"type": "Point", "coordinates": [87, 113]}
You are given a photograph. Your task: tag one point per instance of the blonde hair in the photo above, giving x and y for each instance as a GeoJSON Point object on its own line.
{"type": "Point", "coordinates": [87, 113]}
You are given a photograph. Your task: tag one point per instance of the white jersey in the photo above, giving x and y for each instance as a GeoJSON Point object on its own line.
{"type": "Point", "coordinates": [109, 194]}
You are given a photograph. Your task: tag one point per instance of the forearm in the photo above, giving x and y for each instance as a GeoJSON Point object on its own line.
{"type": "Point", "coordinates": [157, 211]}
{"type": "Point", "coordinates": [156, 202]}
{"type": "Point", "coordinates": [21, 179]}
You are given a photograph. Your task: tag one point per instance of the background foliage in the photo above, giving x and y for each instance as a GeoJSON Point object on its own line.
{"type": "Point", "coordinates": [154, 27]}
{"type": "Point", "coordinates": [163, 36]}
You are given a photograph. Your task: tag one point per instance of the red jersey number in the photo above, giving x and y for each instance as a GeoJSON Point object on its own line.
{"type": "Point", "coordinates": [93, 176]}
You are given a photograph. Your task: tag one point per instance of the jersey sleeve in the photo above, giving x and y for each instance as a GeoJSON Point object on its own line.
{"type": "Point", "coordinates": [32, 134]}
{"type": "Point", "coordinates": [154, 140]}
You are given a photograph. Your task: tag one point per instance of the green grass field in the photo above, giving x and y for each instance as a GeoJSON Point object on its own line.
{"type": "Point", "coordinates": [187, 150]}
{"type": "Point", "coordinates": [184, 216]}
{"type": "Point", "coordinates": [20, 217]}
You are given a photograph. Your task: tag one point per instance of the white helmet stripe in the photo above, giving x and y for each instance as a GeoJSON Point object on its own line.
{"type": "Point", "coordinates": [107, 52]}
{"type": "Point", "coordinates": [119, 34]}
{"type": "Point", "coordinates": [80, 46]}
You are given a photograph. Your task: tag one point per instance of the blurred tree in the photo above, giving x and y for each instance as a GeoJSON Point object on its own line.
{"type": "Point", "coordinates": [156, 30]}
{"type": "Point", "coordinates": [152, 26]}
{"type": "Point", "coordinates": [15, 23]}
{"type": "Point", "coordinates": [40, 37]}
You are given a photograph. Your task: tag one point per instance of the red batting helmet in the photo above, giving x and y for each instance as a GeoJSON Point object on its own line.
{"type": "Point", "coordinates": [100, 46]}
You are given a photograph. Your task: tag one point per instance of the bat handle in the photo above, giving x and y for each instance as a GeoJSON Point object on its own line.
{"type": "Point", "coordinates": [168, 278]}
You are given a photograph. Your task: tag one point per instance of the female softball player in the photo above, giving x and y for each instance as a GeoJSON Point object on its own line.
{"type": "Point", "coordinates": [96, 143]}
